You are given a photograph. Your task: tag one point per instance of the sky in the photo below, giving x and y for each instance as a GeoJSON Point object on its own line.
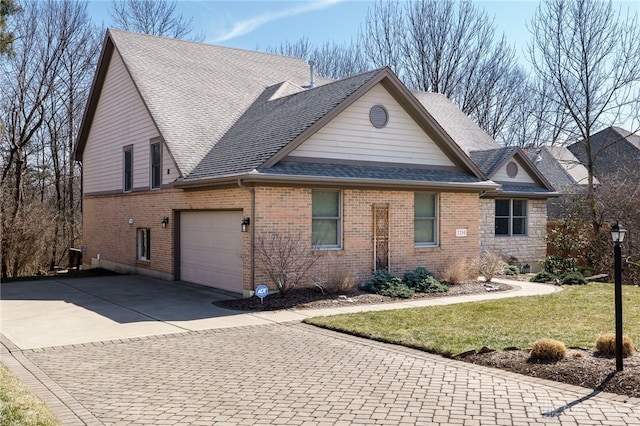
{"type": "Point", "coordinates": [256, 25]}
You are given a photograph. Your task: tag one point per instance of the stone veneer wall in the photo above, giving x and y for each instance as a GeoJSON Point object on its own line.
{"type": "Point", "coordinates": [529, 249]}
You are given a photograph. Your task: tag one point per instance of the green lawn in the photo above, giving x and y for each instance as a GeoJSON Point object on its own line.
{"type": "Point", "coordinates": [576, 316]}
{"type": "Point", "coordinates": [19, 406]}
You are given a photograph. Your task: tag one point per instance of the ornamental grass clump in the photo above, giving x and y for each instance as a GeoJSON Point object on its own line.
{"type": "Point", "coordinates": [606, 345]}
{"type": "Point", "coordinates": [546, 350]}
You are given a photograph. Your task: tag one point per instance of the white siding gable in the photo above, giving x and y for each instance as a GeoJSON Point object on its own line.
{"type": "Point", "coordinates": [351, 136]}
{"type": "Point", "coordinates": [521, 176]}
{"type": "Point", "coordinates": [120, 119]}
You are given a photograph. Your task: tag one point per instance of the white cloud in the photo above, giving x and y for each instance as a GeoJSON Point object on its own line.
{"type": "Point", "coordinates": [251, 24]}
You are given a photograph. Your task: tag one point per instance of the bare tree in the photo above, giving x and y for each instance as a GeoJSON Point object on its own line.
{"type": "Point", "coordinates": [447, 47]}
{"type": "Point", "coordinates": [155, 17]}
{"type": "Point", "coordinates": [44, 85]}
{"type": "Point", "coordinates": [589, 57]}
{"type": "Point", "coordinates": [332, 60]}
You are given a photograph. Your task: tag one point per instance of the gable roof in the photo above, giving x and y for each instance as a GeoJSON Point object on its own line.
{"type": "Point", "coordinates": [273, 127]}
{"type": "Point", "coordinates": [613, 150]}
{"type": "Point", "coordinates": [194, 92]}
{"type": "Point", "coordinates": [494, 159]}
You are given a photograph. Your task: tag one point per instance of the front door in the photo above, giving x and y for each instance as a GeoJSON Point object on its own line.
{"type": "Point", "coordinates": [380, 236]}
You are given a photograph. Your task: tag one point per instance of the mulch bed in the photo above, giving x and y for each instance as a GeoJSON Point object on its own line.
{"type": "Point", "coordinates": [581, 367]}
{"type": "Point", "coordinates": [312, 298]}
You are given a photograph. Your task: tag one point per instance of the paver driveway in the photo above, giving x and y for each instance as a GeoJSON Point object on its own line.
{"type": "Point", "coordinates": [292, 373]}
{"type": "Point", "coordinates": [273, 373]}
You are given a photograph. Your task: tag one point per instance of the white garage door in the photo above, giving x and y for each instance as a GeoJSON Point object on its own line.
{"type": "Point", "coordinates": [211, 249]}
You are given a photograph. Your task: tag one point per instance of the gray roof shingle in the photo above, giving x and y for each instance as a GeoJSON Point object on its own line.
{"type": "Point", "coordinates": [195, 92]}
{"type": "Point", "coordinates": [490, 160]}
{"type": "Point", "coordinates": [270, 124]}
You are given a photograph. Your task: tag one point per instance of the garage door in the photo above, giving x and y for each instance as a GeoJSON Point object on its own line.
{"type": "Point", "coordinates": [211, 249]}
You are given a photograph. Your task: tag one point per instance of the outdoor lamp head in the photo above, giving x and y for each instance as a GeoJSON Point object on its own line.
{"type": "Point", "coordinates": [618, 233]}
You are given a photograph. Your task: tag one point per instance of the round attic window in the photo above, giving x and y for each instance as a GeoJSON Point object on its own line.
{"type": "Point", "coordinates": [379, 116]}
{"type": "Point", "coordinates": [512, 169]}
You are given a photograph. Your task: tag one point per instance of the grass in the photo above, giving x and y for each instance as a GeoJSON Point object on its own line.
{"type": "Point", "coordinates": [19, 406]}
{"type": "Point", "coordinates": [576, 316]}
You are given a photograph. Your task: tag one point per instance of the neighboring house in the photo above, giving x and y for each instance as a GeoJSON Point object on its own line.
{"type": "Point", "coordinates": [185, 145]}
{"type": "Point", "coordinates": [565, 173]}
{"type": "Point", "coordinates": [613, 150]}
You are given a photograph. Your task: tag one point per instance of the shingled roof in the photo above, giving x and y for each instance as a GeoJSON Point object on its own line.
{"type": "Point", "coordinates": [613, 150]}
{"type": "Point", "coordinates": [194, 92]}
{"type": "Point", "coordinates": [270, 124]}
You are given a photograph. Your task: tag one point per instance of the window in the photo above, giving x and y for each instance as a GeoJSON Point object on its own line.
{"type": "Point", "coordinates": [144, 244]}
{"type": "Point", "coordinates": [127, 183]}
{"type": "Point", "coordinates": [425, 221]}
{"type": "Point", "coordinates": [326, 219]}
{"type": "Point", "coordinates": [511, 217]}
{"type": "Point", "coordinates": [156, 165]}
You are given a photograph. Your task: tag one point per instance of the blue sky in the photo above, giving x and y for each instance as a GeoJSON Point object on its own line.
{"type": "Point", "coordinates": [259, 24]}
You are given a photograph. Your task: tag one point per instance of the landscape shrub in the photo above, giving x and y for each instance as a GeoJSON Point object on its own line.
{"type": "Point", "coordinates": [558, 265]}
{"type": "Point", "coordinates": [338, 279]}
{"type": "Point", "coordinates": [543, 277]}
{"type": "Point", "coordinates": [511, 270]}
{"type": "Point", "coordinates": [606, 345]}
{"type": "Point", "coordinates": [396, 288]}
{"type": "Point", "coordinates": [423, 281]}
{"type": "Point", "coordinates": [460, 270]}
{"type": "Point", "coordinates": [386, 284]}
{"type": "Point", "coordinates": [491, 264]}
{"type": "Point", "coordinates": [548, 350]}
{"type": "Point", "coordinates": [571, 278]}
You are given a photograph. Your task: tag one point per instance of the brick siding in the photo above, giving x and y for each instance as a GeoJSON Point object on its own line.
{"type": "Point", "coordinates": [107, 230]}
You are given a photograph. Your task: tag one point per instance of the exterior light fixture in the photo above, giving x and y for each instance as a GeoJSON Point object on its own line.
{"type": "Point", "coordinates": [245, 224]}
{"type": "Point", "coordinates": [617, 235]}
{"type": "Point", "coordinates": [165, 222]}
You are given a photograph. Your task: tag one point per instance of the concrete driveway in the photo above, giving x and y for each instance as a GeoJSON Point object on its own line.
{"type": "Point", "coordinates": [67, 311]}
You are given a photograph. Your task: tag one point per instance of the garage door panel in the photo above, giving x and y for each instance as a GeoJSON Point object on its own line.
{"type": "Point", "coordinates": [211, 249]}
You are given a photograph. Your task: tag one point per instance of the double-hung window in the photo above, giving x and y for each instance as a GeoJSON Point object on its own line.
{"type": "Point", "coordinates": [425, 220]}
{"type": "Point", "coordinates": [511, 217]}
{"type": "Point", "coordinates": [127, 176]}
{"type": "Point", "coordinates": [156, 165]}
{"type": "Point", "coordinates": [326, 219]}
{"type": "Point", "coordinates": [144, 244]}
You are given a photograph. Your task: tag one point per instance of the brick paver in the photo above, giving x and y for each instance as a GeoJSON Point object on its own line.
{"type": "Point", "coordinates": [296, 374]}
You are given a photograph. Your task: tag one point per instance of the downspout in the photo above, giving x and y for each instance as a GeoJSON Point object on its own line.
{"type": "Point", "coordinates": [252, 228]}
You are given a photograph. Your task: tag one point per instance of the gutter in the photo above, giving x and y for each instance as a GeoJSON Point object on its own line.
{"type": "Point", "coordinates": [252, 230]}
{"type": "Point", "coordinates": [255, 176]}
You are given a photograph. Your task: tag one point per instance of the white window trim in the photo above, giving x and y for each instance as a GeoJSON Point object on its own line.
{"type": "Point", "coordinates": [436, 219]}
{"type": "Point", "coordinates": [339, 219]}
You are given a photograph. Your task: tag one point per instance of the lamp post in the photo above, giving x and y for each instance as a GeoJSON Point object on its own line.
{"type": "Point", "coordinates": [617, 235]}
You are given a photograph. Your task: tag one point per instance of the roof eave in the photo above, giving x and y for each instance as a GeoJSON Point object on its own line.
{"type": "Point", "coordinates": [255, 177]}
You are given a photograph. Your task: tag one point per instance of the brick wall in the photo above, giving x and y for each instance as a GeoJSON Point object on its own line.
{"type": "Point", "coordinates": [529, 249]}
{"type": "Point", "coordinates": [107, 230]}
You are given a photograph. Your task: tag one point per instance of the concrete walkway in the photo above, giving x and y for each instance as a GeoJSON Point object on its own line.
{"type": "Point", "coordinates": [263, 368]}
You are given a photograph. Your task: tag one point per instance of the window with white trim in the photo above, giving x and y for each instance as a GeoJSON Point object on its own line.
{"type": "Point", "coordinates": [511, 218]}
{"type": "Point", "coordinates": [144, 244]}
{"type": "Point", "coordinates": [326, 218]}
{"type": "Point", "coordinates": [425, 219]}
{"type": "Point", "coordinates": [156, 165]}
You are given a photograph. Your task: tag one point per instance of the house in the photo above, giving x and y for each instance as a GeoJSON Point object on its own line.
{"type": "Point", "coordinates": [565, 173]}
{"type": "Point", "coordinates": [186, 145]}
{"type": "Point", "coordinates": [613, 150]}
